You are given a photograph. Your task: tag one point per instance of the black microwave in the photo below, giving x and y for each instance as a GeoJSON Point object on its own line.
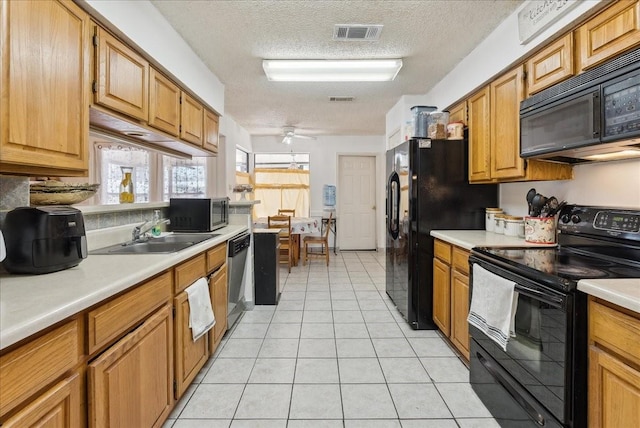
{"type": "Point", "coordinates": [586, 116]}
{"type": "Point", "coordinates": [198, 215]}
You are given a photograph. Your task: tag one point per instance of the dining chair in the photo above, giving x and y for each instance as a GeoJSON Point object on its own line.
{"type": "Point", "coordinates": [295, 238]}
{"type": "Point", "coordinates": [288, 212]}
{"type": "Point", "coordinates": [323, 240]}
{"type": "Point", "coordinates": [283, 222]}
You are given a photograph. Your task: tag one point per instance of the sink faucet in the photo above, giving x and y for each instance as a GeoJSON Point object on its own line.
{"type": "Point", "coordinates": [140, 231]}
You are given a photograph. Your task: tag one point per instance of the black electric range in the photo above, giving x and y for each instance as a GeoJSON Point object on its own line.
{"type": "Point", "coordinates": [540, 379]}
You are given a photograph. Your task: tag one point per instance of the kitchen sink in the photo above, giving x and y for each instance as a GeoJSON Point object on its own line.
{"type": "Point", "coordinates": [161, 245]}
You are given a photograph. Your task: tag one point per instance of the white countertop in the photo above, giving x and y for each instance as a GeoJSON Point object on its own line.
{"type": "Point", "coordinates": [622, 292]}
{"type": "Point", "coordinates": [468, 239]}
{"type": "Point", "coordinates": [30, 303]}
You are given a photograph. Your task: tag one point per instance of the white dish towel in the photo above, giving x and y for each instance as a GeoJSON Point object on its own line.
{"type": "Point", "coordinates": [493, 305]}
{"type": "Point", "coordinates": [201, 318]}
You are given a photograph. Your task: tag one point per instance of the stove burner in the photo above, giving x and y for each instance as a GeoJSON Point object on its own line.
{"type": "Point", "coordinates": [580, 272]}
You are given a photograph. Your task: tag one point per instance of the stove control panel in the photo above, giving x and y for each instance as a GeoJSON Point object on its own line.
{"type": "Point", "coordinates": [612, 222]}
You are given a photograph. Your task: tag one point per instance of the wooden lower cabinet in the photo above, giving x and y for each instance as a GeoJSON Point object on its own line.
{"type": "Point", "coordinates": [59, 407]}
{"type": "Point", "coordinates": [130, 384]}
{"type": "Point", "coordinates": [442, 295]}
{"type": "Point", "coordinates": [219, 302]}
{"type": "Point", "coordinates": [614, 366]}
{"type": "Point", "coordinates": [190, 356]}
{"type": "Point", "coordinates": [451, 294]}
{"type": "Point", "coordinates": [459, 312]}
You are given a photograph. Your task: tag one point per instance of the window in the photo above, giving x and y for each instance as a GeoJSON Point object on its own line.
{"type": "Point", "coordinates": [282, 160]}
{"type": "Point", "coordinates": [185, 178]}
{"type": "Point", "coordinates": [281, 181]}
{"type": "Point", "coordinates": [242, 160]}
{"type": "Point", "coordinates": [110, 158]}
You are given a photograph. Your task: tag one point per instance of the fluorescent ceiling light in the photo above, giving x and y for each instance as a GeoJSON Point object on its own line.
{"type": "Point", "coordinates": [356, 70]}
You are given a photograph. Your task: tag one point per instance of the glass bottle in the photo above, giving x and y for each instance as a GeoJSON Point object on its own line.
{"type": "Point", "coordinates": [126, 185]}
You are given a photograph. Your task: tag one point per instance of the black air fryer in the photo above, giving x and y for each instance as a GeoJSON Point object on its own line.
{"type": "Point", "coordinates": [44, 239]}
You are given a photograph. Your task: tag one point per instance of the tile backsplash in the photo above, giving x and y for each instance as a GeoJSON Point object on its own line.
{"type": "Point", "coordinates": [14, 192]}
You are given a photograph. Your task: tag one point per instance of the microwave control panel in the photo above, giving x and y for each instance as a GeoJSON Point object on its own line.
{"type": "Point", "coordinates": [622, 107]}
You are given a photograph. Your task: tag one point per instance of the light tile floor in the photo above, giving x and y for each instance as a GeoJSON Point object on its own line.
{"type": "Point", "coordinates": [334, 352]}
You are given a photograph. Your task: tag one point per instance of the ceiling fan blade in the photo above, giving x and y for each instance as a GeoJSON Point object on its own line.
{"type": "Point", "coordinates": [304, 137]}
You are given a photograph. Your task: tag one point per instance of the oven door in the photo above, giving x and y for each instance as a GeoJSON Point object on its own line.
{"type": "Point", "coordinates": [536, 373]}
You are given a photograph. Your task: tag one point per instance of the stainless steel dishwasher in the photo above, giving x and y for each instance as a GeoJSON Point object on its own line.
{"type": "Point", "coordinates": [238, 249]}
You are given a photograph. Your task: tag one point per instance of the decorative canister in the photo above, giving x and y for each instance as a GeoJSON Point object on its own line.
{"type": "Point", "coordinates": [514, 226]}
{"type": "Point", "coordinates": [455, 131]}
{"type": "Point", "coordinates": [498, 223]}
{"type": "Point", "coordinates": [540, 230]}
{"type": "Point", "coordinates": [489, 218]}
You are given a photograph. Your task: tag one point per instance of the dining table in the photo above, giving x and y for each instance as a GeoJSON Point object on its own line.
{"type": "Point", "coordinates": [299, 226]}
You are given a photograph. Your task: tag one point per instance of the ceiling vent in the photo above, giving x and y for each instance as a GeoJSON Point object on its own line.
{"type": "Point", "coordinates": [365, 33]}
{"type": "Point", "coordinates": [341, 99]}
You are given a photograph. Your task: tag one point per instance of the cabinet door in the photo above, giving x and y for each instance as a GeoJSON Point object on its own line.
{"type": "Point", "coordinates": [458, 113]}
{"type": "Point", "coordinates": [479, 136]}
{"type": "Point", "coordinates": [122, 77]}
{"type": "Point", "coordinates": [59, 407]}
{"type": "Point", "coordinates": [191, 120]}
{"type": "Point", "coordinates": [459, 312]}
{"type": "Point", "coordinates": [45, 115]}
{"type": "Point", "coordinates": [551, 65]}
{"type": "Point", "coordinates": [219, 302]}
{"type": "Point", "coordinates": [614, 391]}
{"type": "Point", "coordinates": [609, 33]}
{"type": "Point", "coordinates": [130, 383]}
{"type": "Point", "coordinates": [442, 296]}
{"type": "Point", "coordinates": [210, 131]}
{"type": "Point", "coordinates": [506, 93]}
{"type": "Point", "coordinates": [164, 103]}
{"type": "Point", "coordinates": [190, 356]}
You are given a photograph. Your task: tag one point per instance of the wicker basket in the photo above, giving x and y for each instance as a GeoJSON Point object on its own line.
{"type": "Point", "coordinates": [57, 193]}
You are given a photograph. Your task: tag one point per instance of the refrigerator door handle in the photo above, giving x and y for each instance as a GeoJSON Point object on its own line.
{"type": "Point", "coordinates": [393, 198]}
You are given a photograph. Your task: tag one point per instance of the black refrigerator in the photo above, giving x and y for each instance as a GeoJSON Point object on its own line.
{"type": "Point", "coordinates": [427, 189]}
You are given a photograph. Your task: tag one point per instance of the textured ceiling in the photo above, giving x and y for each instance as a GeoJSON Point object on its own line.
{"type": "Point", "coordinates": [232, 38]}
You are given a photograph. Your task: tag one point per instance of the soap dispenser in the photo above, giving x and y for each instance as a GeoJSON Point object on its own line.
{"type": "Point", "coordinates": [155, 230]}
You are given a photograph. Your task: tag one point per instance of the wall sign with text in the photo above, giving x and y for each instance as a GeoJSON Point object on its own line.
{"type": "Point", "coordinates": [539, 14]}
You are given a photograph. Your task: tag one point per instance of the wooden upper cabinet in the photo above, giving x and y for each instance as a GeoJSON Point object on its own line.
{"type": "Point", "coordinates": [192, 120]}
{"type": "Point", "coordinates": [479, 136]}
{"type": "Point", "coordinates": [164, 103]}
{"type": "Point", "coordinates": [551, 65]}
{"type": "Point", "coordinates": [44, 104]}
{"type": "Point", "coordinates": [458, 113]}
{"type": "Point", "coordinates": [506, 93]}
{"type": "Point", "coordinates": [609, 33]}
{"type": "Point", "coordinates": [211, 124]}
{"type": "Point", "coordinates": [122, 77]}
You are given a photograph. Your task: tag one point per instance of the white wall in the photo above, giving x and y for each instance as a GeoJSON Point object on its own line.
{"type": "Point", "coordinates": [612, 184]}
{"type": "Point", "coordinates": [323, 159]}
{"type": "Point", "coordinates": [232, 135]}
{"type": "Point", "coordinates": [145, 26]}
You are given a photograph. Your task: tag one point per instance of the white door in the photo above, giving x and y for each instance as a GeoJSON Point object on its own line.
{"type": "Point", "coordinates": [357, 202]}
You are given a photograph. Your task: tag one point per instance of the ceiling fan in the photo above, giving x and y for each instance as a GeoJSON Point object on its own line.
{"type": "Point", "coordinates": [289, 133]}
